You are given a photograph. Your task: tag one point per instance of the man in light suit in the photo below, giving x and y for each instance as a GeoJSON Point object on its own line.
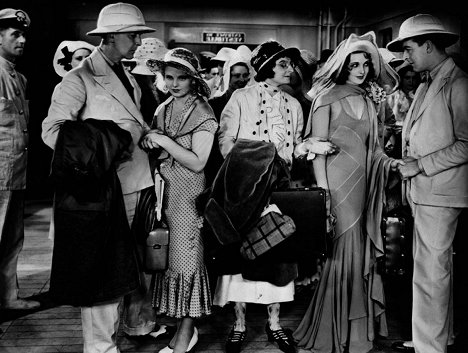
{"type": "Point", "coordinates": [435, 150]}
{"type": "Point", "coordinates": [100, 88]}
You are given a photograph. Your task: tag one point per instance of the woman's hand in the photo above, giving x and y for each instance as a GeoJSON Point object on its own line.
{"type": "Point", "coordinates": [152, 139]}
{"type": "Point", "coordinates": [319, 145]}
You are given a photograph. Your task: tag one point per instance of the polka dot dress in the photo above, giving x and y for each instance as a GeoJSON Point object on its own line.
{"type": "Point", "coordinates": [183, 290]}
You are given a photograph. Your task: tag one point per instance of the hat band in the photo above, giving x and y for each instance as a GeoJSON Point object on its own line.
{"type": "Point", "coordinates": [181, 62]}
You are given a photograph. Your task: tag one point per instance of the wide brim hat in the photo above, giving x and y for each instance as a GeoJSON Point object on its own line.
{"type": "Point", "coordinates": [120, 18]}
{"type": "Point", "coordinates": [270, 51]}
{"type": "Point", "coordinates": [182, 59]}
{"type": "Point", "coordinates": [419, 25]}
{"type": "Point", "coordinates": [68, 47]}
{"type": "Point", "coordinates": [384, 75]}
{"type": "Point", "coordinates": [224, 54]}
{"type": "Point", "coordinates": [150, 48]}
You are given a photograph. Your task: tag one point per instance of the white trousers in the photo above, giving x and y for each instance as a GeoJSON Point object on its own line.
{"type": "Point", "coordinates": [434, 231]}
{"type": "Point", "coordinates": [100, 323]}
{"type": "Point", "coordinates": [100, 326]}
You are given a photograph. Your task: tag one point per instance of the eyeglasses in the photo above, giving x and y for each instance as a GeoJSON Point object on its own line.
{"type": "Point", "coordinates": [284, 64]}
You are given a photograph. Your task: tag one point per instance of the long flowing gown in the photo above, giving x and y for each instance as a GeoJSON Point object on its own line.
{"type": "Point", "coordinates": [349, 297]}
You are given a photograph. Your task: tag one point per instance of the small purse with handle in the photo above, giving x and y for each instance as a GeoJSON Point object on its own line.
{"type": "Point", "coordinates": [157, 242]}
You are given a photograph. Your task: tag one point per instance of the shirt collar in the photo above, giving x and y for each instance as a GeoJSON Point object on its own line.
{"type": "Point", "coordinates": [430, 75]}
{"type": "Point", "coordinates": [8, 65]}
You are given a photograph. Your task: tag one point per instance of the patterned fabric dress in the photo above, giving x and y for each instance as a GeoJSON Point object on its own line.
{"type": "Point", "coordinates": [183, 290]}
{"type": "Point", "coordinates": [349, 297]}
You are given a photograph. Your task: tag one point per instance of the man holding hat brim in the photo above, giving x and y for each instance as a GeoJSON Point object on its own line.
{"type": "Point", "coordinates": [14, 114]}
{"type": "Point", "coordinates": [435, 150]}
{"type": "Point", "coordinates": [100, 88]}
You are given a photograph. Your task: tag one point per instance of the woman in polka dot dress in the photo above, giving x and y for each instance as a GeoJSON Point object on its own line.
{"type": "Point", "coordinates": [183, 129]}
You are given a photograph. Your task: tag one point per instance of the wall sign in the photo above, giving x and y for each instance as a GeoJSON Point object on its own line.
{"type": "Point", "coordinates": [223, 37]}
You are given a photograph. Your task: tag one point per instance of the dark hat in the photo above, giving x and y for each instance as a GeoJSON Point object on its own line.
{"type": "Point", "coordinates": [14, 18]}
{"type": "Point", "coordinates": [270, 51]}
{"type": "Point", "coordinates": [324, 55]}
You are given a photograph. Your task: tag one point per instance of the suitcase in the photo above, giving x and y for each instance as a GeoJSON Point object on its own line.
{"type": "Point", "coordinates": [306, 206]}
{"type": "Point", "coordinates": [397, 259]}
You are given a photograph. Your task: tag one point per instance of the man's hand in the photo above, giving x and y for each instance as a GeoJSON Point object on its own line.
{"type": "Point", "coordinates": [410, 168]}
{"type": "Point", "coordinates": [396, 163]}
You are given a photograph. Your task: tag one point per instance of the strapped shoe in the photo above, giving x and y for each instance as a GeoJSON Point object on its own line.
{"type": "Point", "coordinates": [234, 341]}
{"type": "Point", "coordinates": [284, 341]}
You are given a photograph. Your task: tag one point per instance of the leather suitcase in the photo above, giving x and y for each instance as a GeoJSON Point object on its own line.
{"type": "Point", "coordinates": [306, 206]}
{"type": "Point", "coordinates": [397, 246]}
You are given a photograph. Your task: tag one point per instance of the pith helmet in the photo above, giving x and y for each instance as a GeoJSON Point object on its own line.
{"type": "Point", "coordinates": [419, 25]}
{"type": "Point", "coordinates": [120, 18]}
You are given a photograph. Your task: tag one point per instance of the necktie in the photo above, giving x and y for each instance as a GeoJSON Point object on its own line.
{"type": "Point", "coordinates": [426, 81]}
{"type": "Point", "coordinates": [119, 71]}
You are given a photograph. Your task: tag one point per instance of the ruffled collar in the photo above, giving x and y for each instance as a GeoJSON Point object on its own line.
{"type": "Point", "coordinates": [273, 91]}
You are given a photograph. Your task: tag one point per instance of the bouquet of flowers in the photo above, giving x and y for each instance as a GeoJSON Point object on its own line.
{"type": "Point", "coordinates": [375, 92]}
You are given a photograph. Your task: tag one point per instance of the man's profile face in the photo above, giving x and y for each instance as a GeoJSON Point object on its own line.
{"type": "Point", "coordinates": [12, 43]}
{"type": "Point", "coordinates": [126, 44]}
{"type": "Point", "coordinates": [415, 55]}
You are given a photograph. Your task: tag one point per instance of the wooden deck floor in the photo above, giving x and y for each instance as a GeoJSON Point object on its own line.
{"type": "Point", "coordinates": [58, 328]}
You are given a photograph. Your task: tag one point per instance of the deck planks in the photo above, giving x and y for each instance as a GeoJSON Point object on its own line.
{"type": "Point", "coordinates": [58, 328]}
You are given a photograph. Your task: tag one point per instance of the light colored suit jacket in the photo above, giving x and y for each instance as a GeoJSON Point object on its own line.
{"type": "Point", "coordinates": [438, 137]}
{"type": "Point", "coordinates": [93, 91]}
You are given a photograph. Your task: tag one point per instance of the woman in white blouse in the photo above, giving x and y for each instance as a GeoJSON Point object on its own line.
{"type": "Point", "coordinates": [263, 112]}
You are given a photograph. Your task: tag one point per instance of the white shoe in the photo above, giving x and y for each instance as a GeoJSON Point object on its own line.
{"type": "Point", "coordinates": [163, 331]}
{"type": "Point", "coordinates": [193, 341]}
{"type": "Point", "coordinates": [167, 349]}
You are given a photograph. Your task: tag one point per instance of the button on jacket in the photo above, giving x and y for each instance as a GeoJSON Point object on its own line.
{"type": "Point", "coordinates": [14, 137]}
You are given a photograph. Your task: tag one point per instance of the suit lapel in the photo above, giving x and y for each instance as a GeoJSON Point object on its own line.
{"type": "Point", "coordinates": [108, 80]}
{"type": "Point", "coordinates": [435, 87]}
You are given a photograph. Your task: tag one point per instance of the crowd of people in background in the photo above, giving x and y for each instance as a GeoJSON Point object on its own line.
{"type": "Point", "coordinates": [361, 123]}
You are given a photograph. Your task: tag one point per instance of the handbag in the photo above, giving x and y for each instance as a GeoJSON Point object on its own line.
{"type": "Point", "coordinates": [270, 230]}
{"type": "Point", "coordinates": [157, 248]}
{"type": "Point", "coordinates": [157, 242]}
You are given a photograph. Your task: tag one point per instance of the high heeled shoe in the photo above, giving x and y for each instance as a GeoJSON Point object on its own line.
{"type": "Point", "coordinates": [192, 343]}
{"type": "Point", "coordinates": [193, 340]}
{"type": "Point", "coordinates": [285, 342]}
{"type": "Point", "coordinates": [166, 349]}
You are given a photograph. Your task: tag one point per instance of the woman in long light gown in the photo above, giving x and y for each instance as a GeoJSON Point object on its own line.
{"type": "Point", "coordinates": [349, 300]}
